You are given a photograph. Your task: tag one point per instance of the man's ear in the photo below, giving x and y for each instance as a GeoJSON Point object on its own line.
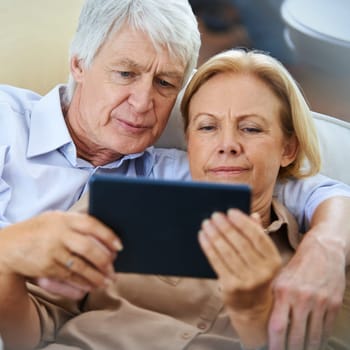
{"type": "Point", "coordinates": [76, 69]}
{"type": "Point", "coordinates": [290, 151]}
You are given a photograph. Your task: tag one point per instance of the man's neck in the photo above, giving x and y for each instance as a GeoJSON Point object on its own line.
{"type": "Point", "coordinates": [87, 150]}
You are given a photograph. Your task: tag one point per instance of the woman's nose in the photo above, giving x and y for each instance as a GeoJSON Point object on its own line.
{"type": "Point", "coordinates": [229, 143]}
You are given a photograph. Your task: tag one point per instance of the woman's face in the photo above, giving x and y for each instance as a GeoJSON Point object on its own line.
{"type": "Point", "coordinates": [234, 133]}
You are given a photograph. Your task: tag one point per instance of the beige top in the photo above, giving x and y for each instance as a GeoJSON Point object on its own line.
{"type": "Point", "coordinates": [150, 312]}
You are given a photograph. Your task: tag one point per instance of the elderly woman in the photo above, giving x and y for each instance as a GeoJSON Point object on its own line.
{"type": "Point", "coordinates": [247, 122]}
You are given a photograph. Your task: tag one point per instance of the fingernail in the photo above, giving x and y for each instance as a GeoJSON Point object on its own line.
{"type": "Point", "coordinates": [232, 212]}
{"type": "Point", "coordinates": [216, 214]}
{"type": "Point", "coordinates": [117, 244]}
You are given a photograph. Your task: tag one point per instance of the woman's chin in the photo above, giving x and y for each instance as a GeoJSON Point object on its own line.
{"type": "Point", "coordinates": [228, 179]}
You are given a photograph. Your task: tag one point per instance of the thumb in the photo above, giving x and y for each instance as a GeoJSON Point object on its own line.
{"type": "Point", "coordinates": [256, 217]}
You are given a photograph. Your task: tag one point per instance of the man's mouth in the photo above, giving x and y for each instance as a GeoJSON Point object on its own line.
{"type": "Point", "coordinates": [132, 127]}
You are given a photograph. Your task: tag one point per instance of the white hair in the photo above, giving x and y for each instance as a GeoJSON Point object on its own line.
{"type": "Point", "coordinates": [168, 23]}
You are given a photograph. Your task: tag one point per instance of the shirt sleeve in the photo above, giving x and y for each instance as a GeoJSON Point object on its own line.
{"type": "Point", "coordinates": [171, 164]}
{"type": "Point", "coordinates": [302, 197]}
{"type": "Point", "coordinates": [53, 311]}
{"type": "Point", "coordinates": [5, 190]}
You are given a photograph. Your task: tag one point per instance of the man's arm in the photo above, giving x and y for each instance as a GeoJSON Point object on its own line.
{"type": "Point", "coordinates": [302, 197]}
{"type": "Point", "coordinates": [68, 246]}
{"type": "Point", "coordinates": [310, 289]}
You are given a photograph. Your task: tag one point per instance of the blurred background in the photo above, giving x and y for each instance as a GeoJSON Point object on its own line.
{"type": "Point", "coordinates": [311, 38]}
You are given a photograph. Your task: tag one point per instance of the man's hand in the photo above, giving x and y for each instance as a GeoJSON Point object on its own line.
{"type": "Point", "coordinates": [70, 247]}
{"type": "Point", "coordinates": [308, 295]}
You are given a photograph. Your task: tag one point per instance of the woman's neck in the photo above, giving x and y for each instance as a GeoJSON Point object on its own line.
{"type": "Point", "coordinates": [262, 206]}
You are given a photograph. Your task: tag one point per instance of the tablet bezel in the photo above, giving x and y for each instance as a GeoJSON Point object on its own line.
{"type": "Point", "coordinates": [158, 220]}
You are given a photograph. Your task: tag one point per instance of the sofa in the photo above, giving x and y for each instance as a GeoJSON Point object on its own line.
{"type": "Point", "coordinates": [34, 40]}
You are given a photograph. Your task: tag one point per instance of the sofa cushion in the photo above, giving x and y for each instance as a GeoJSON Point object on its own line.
{"type": "Point", "coordinates": [334, 138]}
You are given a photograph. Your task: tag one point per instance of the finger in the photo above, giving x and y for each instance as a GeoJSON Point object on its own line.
{"type": "Point", "coordinates": [90, 250]}
{"type": "Point", "coordinates": [297, 333]}
{"type": "Point", "coordinates": [256, 217]}
{"type": "Point", "coordinates": [261, 264]}
{"type": "Point", "coordinates": [88, 225]}
{"type": "Point", "coordinates": [315, 328]}
{"type": "Point", "coordinates": [253, 231]}
{"type": "Point", "coordinates": [61, 288]}
{"type": "Point", "coordinates": [224, 254]}
{"type": "Point", "coordinates": [214, 259]}
{"type": "Point", "coordinates": [79, 270]}
{"type": "Point", "coordinates": [238, 240]}
{"type": "Point", "coordinates": [278, 325]}
{"type": "Point", "coordinates": [329, 321]}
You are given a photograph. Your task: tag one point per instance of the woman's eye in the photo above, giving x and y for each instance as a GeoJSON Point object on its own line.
{"type": "Point", "coordinates": [251, 130]}
{"type": "Point", "coordinates": [206, 127]}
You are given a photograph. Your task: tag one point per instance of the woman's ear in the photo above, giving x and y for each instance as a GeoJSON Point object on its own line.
{"type": "Point", "coordinates": [290, 151]}
{"type": "Point", "coordinates": [76, 69]}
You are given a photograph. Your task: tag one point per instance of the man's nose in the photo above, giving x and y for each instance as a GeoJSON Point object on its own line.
{"type": "Point", "coordinates": [142, 96]}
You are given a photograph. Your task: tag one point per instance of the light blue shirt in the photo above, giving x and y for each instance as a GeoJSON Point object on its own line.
{"type": "Point", "coordinates": [40, 170]}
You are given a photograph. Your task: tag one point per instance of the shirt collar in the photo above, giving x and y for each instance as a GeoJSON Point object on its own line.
{"type": "Point", "coordinates": [48, 130]}
{"type": "Point", "coordinates": [286, 219]}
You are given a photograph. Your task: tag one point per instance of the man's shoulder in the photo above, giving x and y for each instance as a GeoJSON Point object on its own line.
{"type": "Point", "coordinates": [172, 153]}
{"type": "Point", "coordinates": [170, 163]}
{"type": "Point", "coordinates": [16, 98]}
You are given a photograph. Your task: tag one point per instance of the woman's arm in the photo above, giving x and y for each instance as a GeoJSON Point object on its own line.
{"type": "Point", "coordinates": [19, 321]}
{"type": "Point", "coordinates": [246, 261]}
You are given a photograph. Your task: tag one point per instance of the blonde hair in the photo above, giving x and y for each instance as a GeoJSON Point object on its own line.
{"type": "Point", "coordinates": [295, 115]}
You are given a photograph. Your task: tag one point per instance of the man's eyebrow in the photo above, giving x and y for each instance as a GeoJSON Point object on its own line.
{"type": "Point", "coordinates": [128, 63]}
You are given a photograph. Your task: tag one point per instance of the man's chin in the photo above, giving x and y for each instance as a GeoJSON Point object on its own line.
{"type": "Point", "coordinates": [133, 147]}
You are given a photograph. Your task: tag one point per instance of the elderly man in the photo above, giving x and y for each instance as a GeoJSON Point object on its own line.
{"type": "Point", "coordinates": [129, 59]}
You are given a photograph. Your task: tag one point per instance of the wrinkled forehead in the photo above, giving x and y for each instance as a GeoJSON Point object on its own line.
{"type": "Point", "coordinates": [154, 41]}
{"type": "Point", "coordinates": [135, 47]}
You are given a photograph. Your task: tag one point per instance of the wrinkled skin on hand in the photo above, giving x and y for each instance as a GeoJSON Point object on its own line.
{"type": "Point", "coordinates": [42, 246]}
{"type": "Point", "coordinates": [308, 295]}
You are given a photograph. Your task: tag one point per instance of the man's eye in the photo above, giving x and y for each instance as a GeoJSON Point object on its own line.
{"type": "Point", "coordinates": [164, 83]}
{"type": "Point", "coordinates": [125, 74]}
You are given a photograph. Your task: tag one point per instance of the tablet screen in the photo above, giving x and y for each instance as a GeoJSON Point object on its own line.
{"type": "Point", "coordinates": [158, 220]}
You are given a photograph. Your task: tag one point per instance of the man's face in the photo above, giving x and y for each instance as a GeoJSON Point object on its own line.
{"type": "Point", "coordinates": [123, 100]}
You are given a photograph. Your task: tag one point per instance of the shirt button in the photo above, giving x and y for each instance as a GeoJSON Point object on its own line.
{"type": "Point", "coordinates": [202, 325]}
{"type": "Point", "coordinates": [186, 335]}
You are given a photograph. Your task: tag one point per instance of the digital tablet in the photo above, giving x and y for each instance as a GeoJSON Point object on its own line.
{"type": "Point", "coordinates": [158, 221]}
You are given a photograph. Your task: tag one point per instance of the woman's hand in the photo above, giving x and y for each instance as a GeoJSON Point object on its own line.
{"type": "Point", "coordinates": [246, 261]}
{"type": "Point", "coordinates": [71, 247]}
